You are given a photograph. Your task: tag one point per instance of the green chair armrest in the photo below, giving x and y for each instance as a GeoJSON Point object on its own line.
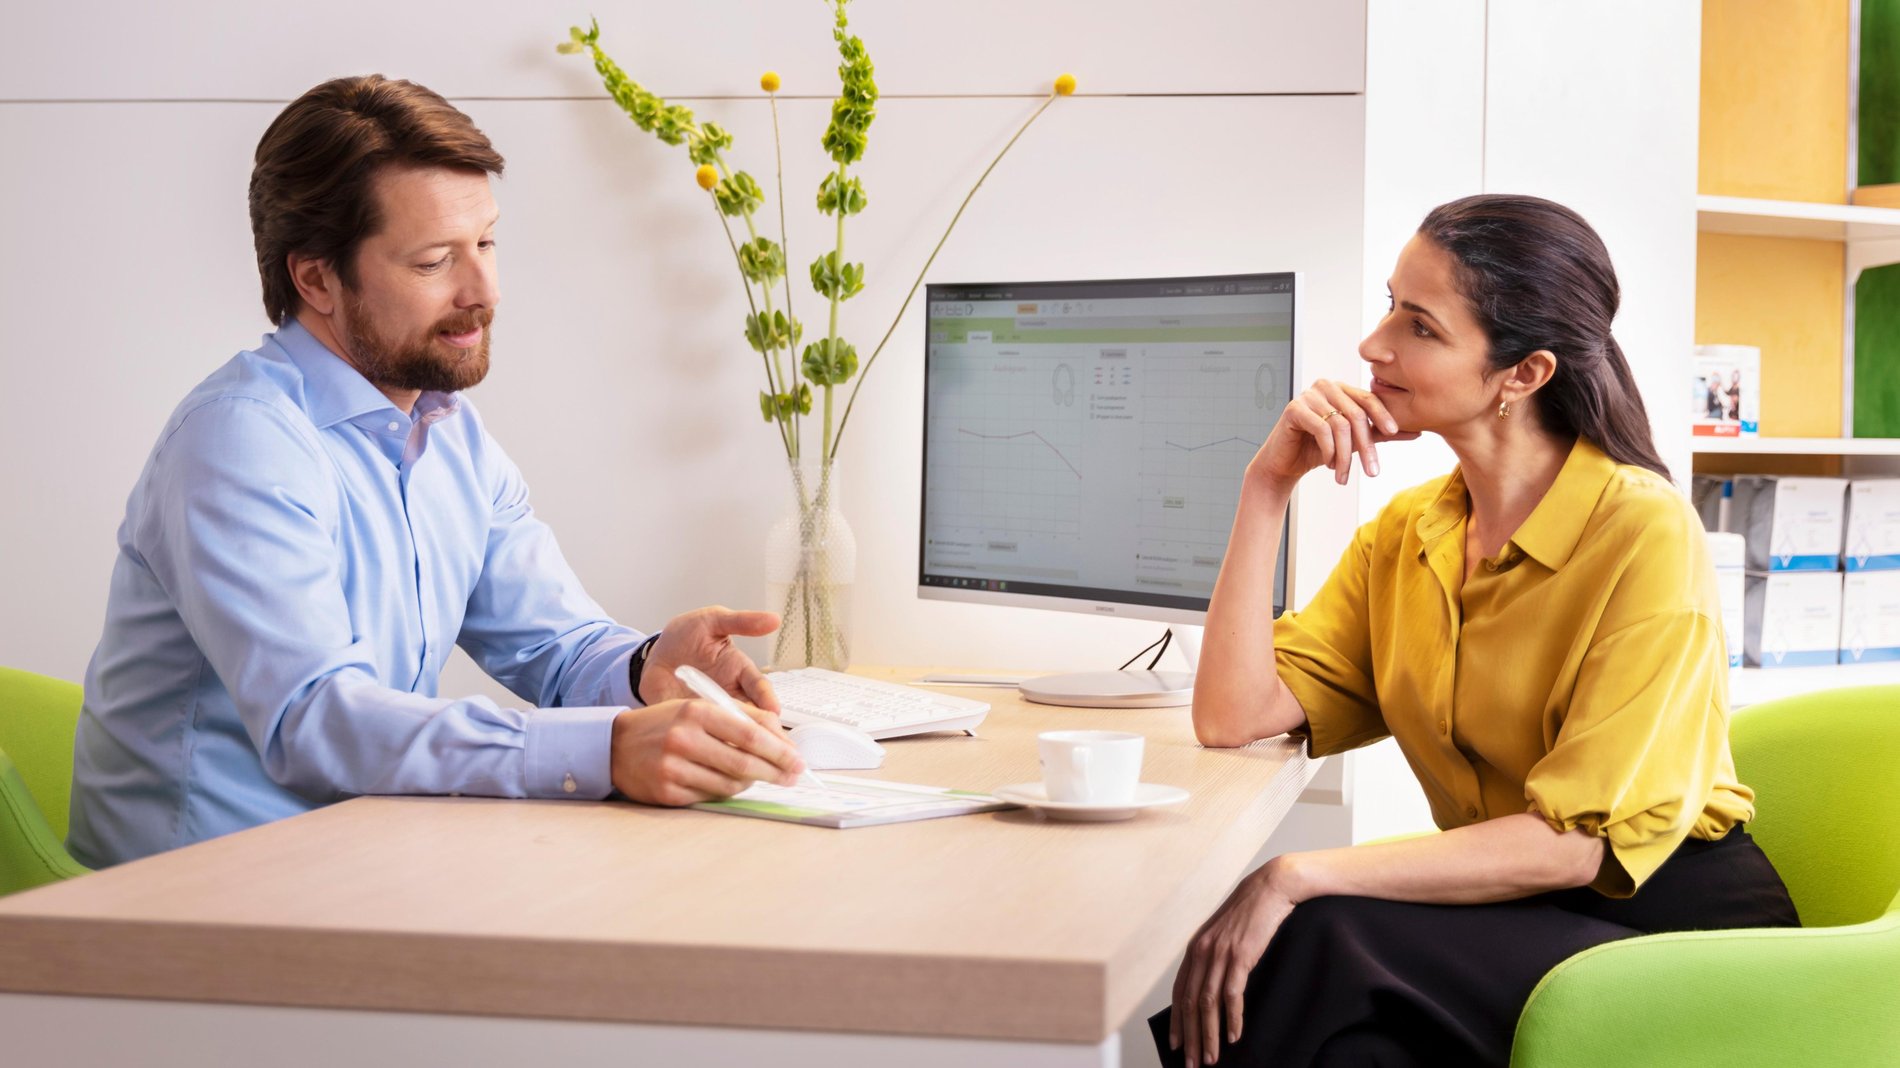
{"type": "Point", "coordinates": [31, 854]}
{"type": "Point", "coordinates": [1784, 996]}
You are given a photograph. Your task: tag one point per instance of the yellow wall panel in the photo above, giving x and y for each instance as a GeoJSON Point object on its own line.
{"type": "Point", "coordinates": [1774, 99]}
{"type": "Point", "coordinates": [1783, 296]}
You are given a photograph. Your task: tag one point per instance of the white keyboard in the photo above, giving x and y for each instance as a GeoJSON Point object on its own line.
{"type": "Point", "coordinates": [879, 709]}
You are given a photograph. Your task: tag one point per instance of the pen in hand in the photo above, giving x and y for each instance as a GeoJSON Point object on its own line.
{"type": "Point", "coordinates": [697, 681]}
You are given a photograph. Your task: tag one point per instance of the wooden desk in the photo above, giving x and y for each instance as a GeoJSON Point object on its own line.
{"type": "Point", "coordinates": [1000, 926]}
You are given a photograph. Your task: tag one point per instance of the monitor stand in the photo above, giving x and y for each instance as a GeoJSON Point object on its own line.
{"type": "Point", "coordinates": [1112, 689]}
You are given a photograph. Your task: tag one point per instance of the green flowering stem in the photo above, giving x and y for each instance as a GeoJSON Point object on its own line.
{"type": "Point", "coordinates": [775, 371]}
{"type": "Point", "coordinates": [791, 448]}
{"type": "Point", "coordinates": [784, 235]}
{"type": "Point", "coordinates": [835, 441]}
{"type": "Point", "coordinates": [674, 124]}
{"type": "Point", "coordinates": [825, 449]}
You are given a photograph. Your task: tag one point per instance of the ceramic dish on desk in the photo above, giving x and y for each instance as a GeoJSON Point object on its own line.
{"type": "Point", "coordinates": [1033, 795]}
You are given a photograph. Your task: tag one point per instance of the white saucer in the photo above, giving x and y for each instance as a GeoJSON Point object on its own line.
{"type": "Point", "coordinates": [1034, 795]}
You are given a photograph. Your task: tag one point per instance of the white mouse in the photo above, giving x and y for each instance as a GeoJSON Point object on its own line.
{"type": "Point", "coordinates": [834, 746]}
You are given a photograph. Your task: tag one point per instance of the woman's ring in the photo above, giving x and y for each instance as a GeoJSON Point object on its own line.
{"type": "Point", "coordinates": [1329, 415]}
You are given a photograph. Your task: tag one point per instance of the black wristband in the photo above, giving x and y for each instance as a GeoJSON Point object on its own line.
{"type": "Point", "coordinates": [637, 664]}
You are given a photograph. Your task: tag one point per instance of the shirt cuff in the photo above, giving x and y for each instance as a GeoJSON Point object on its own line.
{"type": "Point", "coordinates": [568, 753]}
{"type": "Point", "coordinates": [621, 673]}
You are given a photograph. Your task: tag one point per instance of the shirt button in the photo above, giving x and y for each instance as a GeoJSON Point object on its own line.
{"type": "Point", "coordinates": [394, 426]}
{"type": "Point", "coordinates": [567, 784]}
{"type": "Point", "coordinates": [1443, 727]}
{"type": "Point", "coordinates": [1472, 811]}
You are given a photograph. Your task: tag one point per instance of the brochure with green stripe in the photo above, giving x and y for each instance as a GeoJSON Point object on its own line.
{"type": "Point", "coordinates": [852, 802]}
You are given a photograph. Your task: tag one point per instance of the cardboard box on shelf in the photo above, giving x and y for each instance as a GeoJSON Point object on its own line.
{"type": "Point", "coordinates": [1792, 619]}
{"type": "Point", "coordinates": [1791, 523]}
{"type": "Point", "coordinates": [1870, 616]}
{"type": "Point", "coordinates": [1727, 553]}
{"type": "Point", "coordinates": [1873, 525]}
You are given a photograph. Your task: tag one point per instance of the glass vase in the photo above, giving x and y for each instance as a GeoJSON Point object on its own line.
{"type": "Point", "coordinates": [811, 561]}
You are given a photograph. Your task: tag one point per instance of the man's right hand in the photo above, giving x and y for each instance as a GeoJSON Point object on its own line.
{"type": "Point", "coordinates": [682, 752]}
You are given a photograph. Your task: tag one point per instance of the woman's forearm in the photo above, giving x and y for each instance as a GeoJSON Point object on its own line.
{"type": "Point", "coordinates": [1498, 860]}
{"type": "Point", "coordinates": [1238, 695]}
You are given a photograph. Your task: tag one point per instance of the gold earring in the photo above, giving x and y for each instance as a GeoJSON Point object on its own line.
{"type": "Point", "coordinates": [1504, 409]}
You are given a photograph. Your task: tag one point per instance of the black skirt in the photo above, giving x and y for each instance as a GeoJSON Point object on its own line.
{"type": "Point", "coordinates": [1362, 981]}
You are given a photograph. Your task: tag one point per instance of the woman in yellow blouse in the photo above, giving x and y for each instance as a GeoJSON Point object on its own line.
{"type": "Point", "coordinates": [1539, 630]}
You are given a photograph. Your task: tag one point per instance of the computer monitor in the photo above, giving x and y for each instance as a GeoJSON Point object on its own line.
{"type": "Point", "coordinates": [1084, 442]}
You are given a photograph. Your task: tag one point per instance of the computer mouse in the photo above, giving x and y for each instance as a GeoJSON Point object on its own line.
{"type": "Point", "coordinates": [835, 747]}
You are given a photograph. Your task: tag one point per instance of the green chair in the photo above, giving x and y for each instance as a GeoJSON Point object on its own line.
{"type": "Point", "coordinates": [1826, 772]}
{"type": "Point", "coordinates": [37, 719]}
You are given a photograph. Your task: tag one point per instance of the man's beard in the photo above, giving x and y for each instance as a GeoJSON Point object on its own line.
{"type": "Point", "coordinates": [428, 364]}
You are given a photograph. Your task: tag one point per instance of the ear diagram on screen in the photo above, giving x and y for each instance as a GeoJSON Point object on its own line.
{"type": "Point", "coordinates": [1062, 384]}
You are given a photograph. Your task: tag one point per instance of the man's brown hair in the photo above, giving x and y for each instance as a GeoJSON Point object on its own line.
{"type": "Point", "coordinates": [310, 188]}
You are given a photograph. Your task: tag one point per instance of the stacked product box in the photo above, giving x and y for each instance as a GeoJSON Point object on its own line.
{"type": "Point", "coordinates": [1870, 595]}
{"type": "Point", "coordinates": [1728, 553]}
{"type": "Point", "coordinates": [1792, 530]}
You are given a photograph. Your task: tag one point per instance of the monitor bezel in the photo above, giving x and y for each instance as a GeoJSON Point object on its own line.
{"type": "Point", "coordinates": [1085, 605]}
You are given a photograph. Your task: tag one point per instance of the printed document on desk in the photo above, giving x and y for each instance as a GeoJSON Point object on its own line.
{"type": "Point", "coordinates": [851, 802]}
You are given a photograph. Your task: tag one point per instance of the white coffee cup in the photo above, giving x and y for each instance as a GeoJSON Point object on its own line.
{"type": "Point", "coordinates": [1090, 767]}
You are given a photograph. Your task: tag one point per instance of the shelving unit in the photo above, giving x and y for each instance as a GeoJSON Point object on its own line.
{"type": "Point", "coordinates": [1778, 260]}
{"type": "Point", "coordinates": [1797, 446]}
{"type": "Point", "coordinates": [1795, 218]}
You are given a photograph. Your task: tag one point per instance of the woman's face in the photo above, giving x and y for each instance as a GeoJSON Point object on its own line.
{"type": "Point", "coordinates": [1428, 353]}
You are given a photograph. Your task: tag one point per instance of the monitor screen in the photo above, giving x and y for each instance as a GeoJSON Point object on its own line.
{"type": "Point", "coordinates": [1084, 442]}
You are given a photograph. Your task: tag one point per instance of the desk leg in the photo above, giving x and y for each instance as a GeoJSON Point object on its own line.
{"type": "Point", "coordinates": [51, 1029]}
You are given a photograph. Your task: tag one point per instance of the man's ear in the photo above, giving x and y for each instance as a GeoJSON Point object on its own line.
{"type": "Point", "coordinates": [1529, 375]}
{"type": "Point", "coordinates": [316, 283]}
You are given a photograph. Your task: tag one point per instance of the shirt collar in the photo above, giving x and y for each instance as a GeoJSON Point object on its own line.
{"type": "Point", "coordinates": [1555, 526]}
{"type": "Point", "coordinates": [334, 392]}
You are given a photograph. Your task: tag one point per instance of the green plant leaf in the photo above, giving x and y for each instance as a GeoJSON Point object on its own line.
{"type": "Point", "coordinates": [711, 139]}
{"type": "Point", "coordinates": [739, 194]}
{"type": "Point", "coordinates": [850, 196]}
{"type": "Point", "coordinates": [835, 279]}
{"type": "Point", "coordinates": [761, 259]}
{"type": "Point", "coordinates": [830, 361]}
{"type": "Point", "coordinates": [774, 330]}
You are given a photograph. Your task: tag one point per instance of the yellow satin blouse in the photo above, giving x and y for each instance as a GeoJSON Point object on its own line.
{"type": "Point", "coordinates": [1580, 674]}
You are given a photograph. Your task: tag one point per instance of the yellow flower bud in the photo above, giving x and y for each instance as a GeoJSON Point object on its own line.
{"type": "Point", "coordinates": [1065, 85]}
{"type": "Point", "coordinates": [707, 176]}
{"type": "Point", "coordinates": [769, 81]}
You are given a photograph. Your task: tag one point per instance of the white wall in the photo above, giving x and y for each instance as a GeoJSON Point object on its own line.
{"type": "Point", "coordinates": [620, 383]}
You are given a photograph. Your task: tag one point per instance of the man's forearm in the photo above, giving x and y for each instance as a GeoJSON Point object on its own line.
{"type": "Point", "coordinates": [1498, 860]}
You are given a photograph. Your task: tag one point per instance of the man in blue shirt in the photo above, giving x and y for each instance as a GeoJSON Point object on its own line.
{"type": "Point", "coordinates": [323, 517]}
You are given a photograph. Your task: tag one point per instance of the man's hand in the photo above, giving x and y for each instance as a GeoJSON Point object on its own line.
{"type": "Point", "coordinates": [703, 638]}
{"type": "Point", "coordinates": [680, 752]}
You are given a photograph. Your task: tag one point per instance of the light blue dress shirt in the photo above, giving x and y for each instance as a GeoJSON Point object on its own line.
{"type": "Point", "coordinates": [297, 557]}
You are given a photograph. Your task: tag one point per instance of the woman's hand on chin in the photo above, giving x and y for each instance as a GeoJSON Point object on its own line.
{"type": "Point", "coordinates": [1325, 426]}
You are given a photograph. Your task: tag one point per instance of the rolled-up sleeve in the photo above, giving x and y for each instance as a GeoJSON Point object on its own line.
{"type": "Point", "coordinates": [1641, 744]}
{"type": "Point", "coordinates": [1324, 655]}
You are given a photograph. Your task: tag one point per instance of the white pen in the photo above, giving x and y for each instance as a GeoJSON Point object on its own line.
{"type": "Point", "coordinates": [704, 686]}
